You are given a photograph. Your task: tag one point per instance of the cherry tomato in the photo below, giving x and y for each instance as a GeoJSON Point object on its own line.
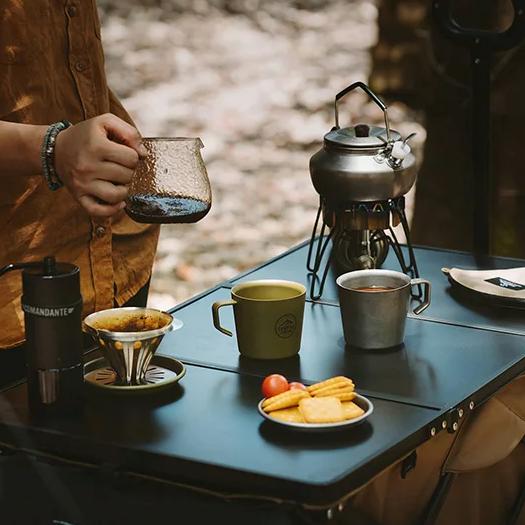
{"type": "Point", "coordinates": [274, 384]}
{"type": "Point", "coordinates": [294, 385]}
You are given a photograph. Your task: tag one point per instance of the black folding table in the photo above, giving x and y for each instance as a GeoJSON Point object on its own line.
{"type": "Point", "coordinates": [207, 434]}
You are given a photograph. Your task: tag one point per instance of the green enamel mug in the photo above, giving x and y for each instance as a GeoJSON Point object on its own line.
{"type": "Point", "coordinates": [268, 317]}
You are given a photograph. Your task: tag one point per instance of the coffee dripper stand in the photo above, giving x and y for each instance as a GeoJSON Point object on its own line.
{"type": "Point", "coordinates": [361, 174]}
{"type": "Point", "coordinates": [52, 307]}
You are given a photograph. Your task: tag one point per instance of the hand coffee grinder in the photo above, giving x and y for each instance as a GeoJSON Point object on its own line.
{"type": "Point", "coordinates": [52, 307]}
{"type": "Point", "coordinates": [361, 174]}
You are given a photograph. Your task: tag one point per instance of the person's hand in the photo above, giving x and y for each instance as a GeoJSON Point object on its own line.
{"type": "Point", "coordinates": [95, 159]}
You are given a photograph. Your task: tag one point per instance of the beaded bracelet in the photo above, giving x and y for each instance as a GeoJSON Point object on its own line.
{"type": "Point", "coordinates": [48, 154]}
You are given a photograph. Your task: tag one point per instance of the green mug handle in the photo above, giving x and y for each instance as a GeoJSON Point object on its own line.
{"type": "Point", "coordinates": [216, 319]}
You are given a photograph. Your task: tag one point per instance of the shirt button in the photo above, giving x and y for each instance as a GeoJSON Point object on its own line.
{"type": "Point", "coordinates": [80, 66]}
{"type": "Point", "coordinates": [71, 10]}
{"type": "Point", "coordinates": [100, 231]}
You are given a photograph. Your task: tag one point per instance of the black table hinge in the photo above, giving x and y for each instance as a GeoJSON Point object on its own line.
{"type": "Point", "coordinates": [408, 464]}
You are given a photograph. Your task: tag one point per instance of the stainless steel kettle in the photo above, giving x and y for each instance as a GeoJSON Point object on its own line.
{"type": "Point", "coordinates": [361, 173]}
{"type": "Point", "coordinates": [362, 163]}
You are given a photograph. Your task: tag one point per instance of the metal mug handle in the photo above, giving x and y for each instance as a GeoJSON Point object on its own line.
{"type": "Point", "coordinates": [371, 94]}
{"type": "Point", "coordinates": [426, 295]}
{"type": "Point", "coordinates": [216, 319]}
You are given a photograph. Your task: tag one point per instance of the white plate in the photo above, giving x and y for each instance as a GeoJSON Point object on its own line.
{"type": "Point", "coordinates": [498, 287]}
{"type": "Point", "coordinates": [359, 400]}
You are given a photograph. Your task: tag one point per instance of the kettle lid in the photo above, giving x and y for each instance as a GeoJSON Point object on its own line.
{"type": "Point", "coordinates": [360, 136]}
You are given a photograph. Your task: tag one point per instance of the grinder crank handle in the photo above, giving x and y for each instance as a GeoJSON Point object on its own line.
{"type": "Point", "coordinates": [48, 264]}
{"type": "Point", "coordinates": [371, 94]}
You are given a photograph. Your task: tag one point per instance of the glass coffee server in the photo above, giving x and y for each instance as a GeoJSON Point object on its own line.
{"type": "Point", "coordinates": [170, 183]}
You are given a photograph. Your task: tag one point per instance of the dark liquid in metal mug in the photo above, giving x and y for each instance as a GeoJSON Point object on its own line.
{"type": "Point", "coordinates": [374, 319]}
{"type": "Point", "coordinates": [374, 288]}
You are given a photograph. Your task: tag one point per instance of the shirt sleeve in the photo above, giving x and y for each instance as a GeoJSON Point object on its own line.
{"type": "Point", "coordinates": [117, 108]}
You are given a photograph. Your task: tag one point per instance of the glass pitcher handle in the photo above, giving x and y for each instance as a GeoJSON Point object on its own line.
{"type": "Point", "coordinates": [371, 94]}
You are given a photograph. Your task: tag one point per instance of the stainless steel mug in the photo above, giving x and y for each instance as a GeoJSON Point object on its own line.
{"type": "Point", "coordinates": [374, 306]}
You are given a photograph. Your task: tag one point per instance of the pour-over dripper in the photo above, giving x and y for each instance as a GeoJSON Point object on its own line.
{"type": "Point", "coordinates": [129, 337]}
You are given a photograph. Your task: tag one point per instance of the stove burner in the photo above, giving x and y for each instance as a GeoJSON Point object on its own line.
{"type": "Point", "coordinates": [358, 232]}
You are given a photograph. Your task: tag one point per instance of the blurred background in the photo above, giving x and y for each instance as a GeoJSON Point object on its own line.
{"type": "Point", "coordinates": [256, 79]}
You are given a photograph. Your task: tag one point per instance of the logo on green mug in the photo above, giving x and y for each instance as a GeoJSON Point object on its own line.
{"type": "Point", "coordinates": [285, 326]}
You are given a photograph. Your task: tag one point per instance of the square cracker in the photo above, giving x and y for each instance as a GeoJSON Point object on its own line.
{"type": "Point", "coordinates": [321, 410]}
{"type": "Point", "coordinates": [290, 415]}
{"type": "Point", "coordinates": [351, 410]}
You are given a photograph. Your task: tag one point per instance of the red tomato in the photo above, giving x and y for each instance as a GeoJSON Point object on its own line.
{"type": "Point", "coordinates": [294, 385]}
{"type": "Point", "coordinates": [274, 384]}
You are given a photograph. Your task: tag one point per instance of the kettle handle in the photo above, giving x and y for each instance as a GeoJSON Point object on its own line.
{"type": "Point", "coordinates": [371, 94]}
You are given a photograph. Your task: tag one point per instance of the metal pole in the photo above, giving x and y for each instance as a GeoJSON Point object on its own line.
{"type": "Point", "coordinates": [481, 148]}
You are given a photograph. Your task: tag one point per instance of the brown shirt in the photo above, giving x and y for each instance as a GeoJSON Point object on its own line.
{"type": "Point", "coordinates": [52, 68]}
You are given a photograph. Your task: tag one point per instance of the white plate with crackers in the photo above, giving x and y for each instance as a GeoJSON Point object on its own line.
{"type": "Point", "coordinates": [329, 405]}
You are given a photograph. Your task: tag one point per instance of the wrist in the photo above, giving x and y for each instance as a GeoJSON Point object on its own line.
{"type": "Point", "coordinates": [32, 145]}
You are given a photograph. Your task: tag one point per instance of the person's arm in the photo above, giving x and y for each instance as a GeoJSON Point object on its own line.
{"type": "Point", "coordinates": [20, 145]}
{"type": "Point", "coordinates": [95, 159]}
